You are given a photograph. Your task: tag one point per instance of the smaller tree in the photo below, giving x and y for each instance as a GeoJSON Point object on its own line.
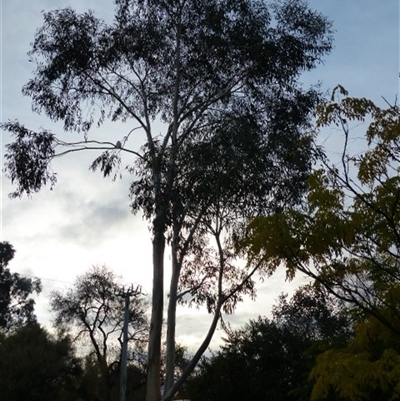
{"type": "Point", "coordinates": [367, 368]}
{"type": "Point", "coordinates": [271, 359]}
{"type": "Point", "coordinates": [314, 314]}
{"type": "Point", "coordinates": [95, 308]}
{"type": "Point", "coordinates": [35, 366]}
{"type": "Point", "coordinates": [16, 305]}
{"type": "Point", "coordinates": [347, 238]}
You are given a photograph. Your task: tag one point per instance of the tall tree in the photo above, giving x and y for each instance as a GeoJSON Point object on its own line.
{"type": "Point", "coordinates": [222, 77]}
{"type": "Point", "coordinates": [16, 304]}
{"type": "Point", "coordinates": [93, 311]}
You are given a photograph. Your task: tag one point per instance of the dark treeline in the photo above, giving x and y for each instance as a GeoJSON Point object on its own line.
{"type": "Point", "coordinates": [80, 358]}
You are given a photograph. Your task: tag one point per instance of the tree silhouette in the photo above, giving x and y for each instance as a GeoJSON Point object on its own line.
{"type": "Point", "coordinates": [221, 76]}
{"type": "Point", "coordinates": [16, 306]}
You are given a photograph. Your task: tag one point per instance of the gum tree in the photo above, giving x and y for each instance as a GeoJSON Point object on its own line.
{"type": "Point", "coordinates": [222, 78]}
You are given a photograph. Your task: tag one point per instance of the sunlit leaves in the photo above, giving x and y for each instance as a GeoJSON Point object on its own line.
{"type": "Point", "coordinates": [368, 368]}
{"type": "Point", "coordinates": [347, 234]}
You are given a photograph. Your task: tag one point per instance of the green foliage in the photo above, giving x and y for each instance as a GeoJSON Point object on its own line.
{"type": "Point", "coordinates": [367, 369]}
{"type": "Point", "coordinates": [346, 237]}
{"type": "Point", "coordinates": [16, 306]}
{"type": "Point", "coordinates": [271, 359]}
{"type": "Point", "coordinates": [35, 366]}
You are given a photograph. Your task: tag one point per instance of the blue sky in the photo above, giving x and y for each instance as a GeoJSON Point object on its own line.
{"type": "Point", "coordinates": [86, 220]}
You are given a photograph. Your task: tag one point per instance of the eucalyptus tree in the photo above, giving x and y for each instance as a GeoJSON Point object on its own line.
{"type": "Point", "coordinates": [222, 77]}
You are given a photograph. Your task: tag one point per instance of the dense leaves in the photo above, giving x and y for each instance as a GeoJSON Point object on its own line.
{"type": "Point", "coordinates": [28, 158]}
{"type": "Point", "coordinates": [16, 304]}
{"type": "Point", "coordinates": [271, 358]}
{"type": "Point", "coordinates": [347, 239]}
{"type": "Point", "coordinates": [34, 366]}
{"type": "Point", "coordinates": [366, 369]}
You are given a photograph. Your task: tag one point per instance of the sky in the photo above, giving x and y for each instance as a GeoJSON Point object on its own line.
{"type": "Point", "coordinates": [86, 219]}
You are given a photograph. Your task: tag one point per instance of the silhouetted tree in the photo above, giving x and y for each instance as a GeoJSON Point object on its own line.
{"type": "Point", "coordinates": [35, 366]}
{"type": "Point", "coordinates": [271, 359]}
{"type": "Point", "coordinates": [93, 311]}
{"type": "Point", "coordinates": [16, 306]}
{"type": "Point", "coordinates": [222, 77]}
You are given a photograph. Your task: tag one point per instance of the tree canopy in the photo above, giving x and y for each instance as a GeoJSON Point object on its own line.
{"type": "Point", "coordinates": [16, 304]}
{"type": "Point", "coordinates": [272, 358]}
{"type": "Point", "coordinates": [222, 78]}
{"type": "Point", "coordinates": [93, 311]}
{"type": "Point", "coordinates": [346, 237]}
{"type": "Point", "coordinates": [367, 368]}
{"type": "Point", "coordinates": [35, 366]}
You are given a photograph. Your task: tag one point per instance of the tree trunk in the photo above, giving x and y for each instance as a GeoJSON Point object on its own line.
{"type": "Point", "coordinates": [170, 365]}
{"type": "Point", "coordinates": [196, 358]}
{"type": "Point", "coordinates": [154, 351]}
